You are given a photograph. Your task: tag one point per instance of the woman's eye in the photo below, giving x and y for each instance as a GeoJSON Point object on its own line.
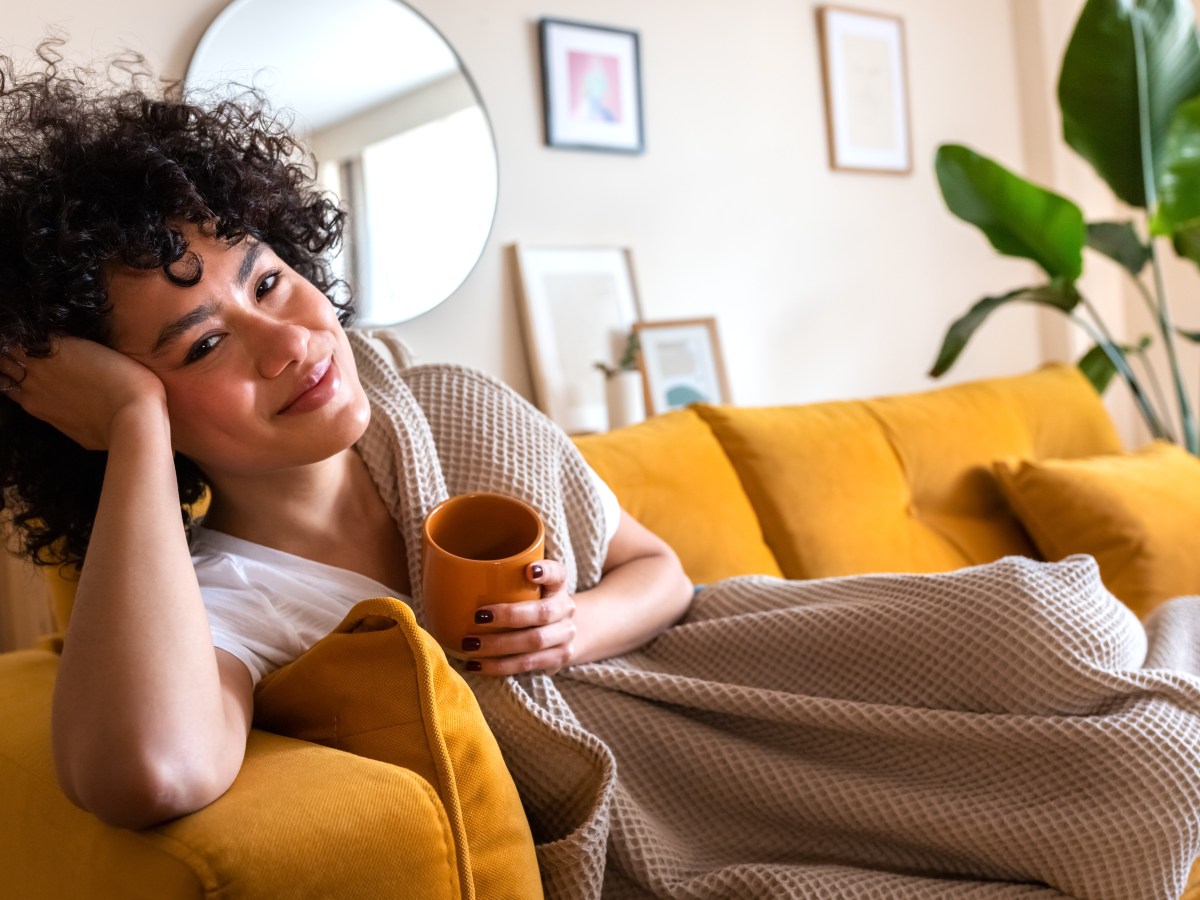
{"type": "Point", "coordinates": [266, 285]}
{"type": "Point", "coordinates": [202, 348]}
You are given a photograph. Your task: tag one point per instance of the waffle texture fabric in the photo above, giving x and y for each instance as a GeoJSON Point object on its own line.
{"type": "Point", "coordinates": [1008, 730]}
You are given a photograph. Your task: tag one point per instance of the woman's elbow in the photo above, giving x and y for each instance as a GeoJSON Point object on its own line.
{"type": "Point", "coordinates": [144, 793]}
{"type": "Point", "coordinates": [683, 590]}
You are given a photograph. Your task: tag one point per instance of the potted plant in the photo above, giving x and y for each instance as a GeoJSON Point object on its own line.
{"type": "Point", "coordinates": [624, 392]}
{"type": "Point", "coordinates": [1129, 91]}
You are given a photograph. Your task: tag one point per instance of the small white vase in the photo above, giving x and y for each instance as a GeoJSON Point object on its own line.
{"type": "Point", "coordinates": [626, 403]}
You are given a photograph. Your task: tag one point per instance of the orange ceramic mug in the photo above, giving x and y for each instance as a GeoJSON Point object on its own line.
{"type": "Point", "coordinates": [475, 550]}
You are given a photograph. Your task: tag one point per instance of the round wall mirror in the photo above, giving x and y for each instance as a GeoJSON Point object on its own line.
{"type": "Point", "coordinates": [395, 123]}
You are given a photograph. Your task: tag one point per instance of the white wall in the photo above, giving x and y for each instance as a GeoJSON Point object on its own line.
{"type": "Point", "coordinates": [824, 284]}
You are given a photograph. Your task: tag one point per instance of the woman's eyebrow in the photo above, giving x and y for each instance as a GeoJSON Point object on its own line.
{"type": "Point", "coordinates": [254, 249]}
{"type": "Point", "coordinates": [174, 330]}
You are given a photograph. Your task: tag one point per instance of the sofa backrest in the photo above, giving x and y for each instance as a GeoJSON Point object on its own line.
{"type": "Point", "coordinates": [901, 483]}
{"type": "Point", "coordinates": [672, 475]}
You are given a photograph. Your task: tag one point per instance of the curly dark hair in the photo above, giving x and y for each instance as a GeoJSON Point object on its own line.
{"type": "Point", "coordinates": [94, 168]}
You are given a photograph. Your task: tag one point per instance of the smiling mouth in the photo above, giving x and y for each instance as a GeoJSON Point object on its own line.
{"type": "Point", "coordinates": [314, 390]}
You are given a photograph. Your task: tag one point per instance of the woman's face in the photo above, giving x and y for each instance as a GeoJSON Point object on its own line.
{"type": "Point", "coordinates": [258, 372]}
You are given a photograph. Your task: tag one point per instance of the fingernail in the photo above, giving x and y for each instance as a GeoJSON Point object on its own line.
{"type": "Point", "coordinates": [483, 616]}
{"type": "Point", "coordinates": [537, 571]}
{"type": "Point", "coordinates": [469, 643]}
{"type": "Point", "coordinates": [474, 665]}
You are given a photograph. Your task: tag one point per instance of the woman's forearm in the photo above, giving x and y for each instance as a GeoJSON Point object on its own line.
{"type": "Point", "coordinates": [142, 728]}
{"type": "Point", "coordinates": [633, 603]}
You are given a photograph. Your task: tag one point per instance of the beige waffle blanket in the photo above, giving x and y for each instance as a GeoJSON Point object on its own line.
{"type": "Point", "coordinates": [1008, 730]}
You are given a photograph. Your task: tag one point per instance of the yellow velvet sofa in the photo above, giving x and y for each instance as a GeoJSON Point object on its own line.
{"type": "Point", "coordinates": [926, 482]}
{"type": "Point", "coordinates": [911, 483]}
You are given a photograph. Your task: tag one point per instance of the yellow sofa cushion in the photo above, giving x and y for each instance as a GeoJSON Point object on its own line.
{"type": "Point", "coordinates": [387, 693]}
{"type": "Point", "coordinates": [1138, 514]}
{"type": "Point", "coordinates": [904, 483]}
{"type": "Point", "coordinates": [671, 475]}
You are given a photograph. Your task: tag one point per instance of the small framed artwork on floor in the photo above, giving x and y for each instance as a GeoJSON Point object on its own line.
{"type": "Point", "coordinates": [681, 362]}
{"type": "Point", "coordinates": [591, 87]}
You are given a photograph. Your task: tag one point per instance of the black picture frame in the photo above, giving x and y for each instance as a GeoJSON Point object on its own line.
{"type": "Point", "coordinates": [591, 87]}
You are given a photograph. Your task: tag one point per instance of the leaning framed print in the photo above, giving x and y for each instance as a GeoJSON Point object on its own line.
{"type": "Point", "coordinates": [591, 86]}
{"type": "Point", "coordinates": [578, 307]}
{"type": "Point", "coordinates": [866, 94]}
{"type": "Point", "coordinates": [681, 362]}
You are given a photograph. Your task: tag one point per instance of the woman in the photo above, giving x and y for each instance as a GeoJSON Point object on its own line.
{"type": "Point", "coordinates": [166, 326]}
{"type": "Point", "coordinates": [199, 339]}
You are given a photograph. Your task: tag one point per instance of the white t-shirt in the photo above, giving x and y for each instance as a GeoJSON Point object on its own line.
{"type": "Point", "coordinates": [266, 607]}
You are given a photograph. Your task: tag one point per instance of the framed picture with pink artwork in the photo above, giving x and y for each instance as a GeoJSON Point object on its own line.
{"type": "Point", "coordinates": [591, 87]}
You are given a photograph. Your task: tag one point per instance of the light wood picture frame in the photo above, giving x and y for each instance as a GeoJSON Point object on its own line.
{"type": "Point", "coordinates": [578, 307]}
{"type": "Point", "coordinates": [681, 363]}
{"type": "Point", "coordinates": [866, 91]}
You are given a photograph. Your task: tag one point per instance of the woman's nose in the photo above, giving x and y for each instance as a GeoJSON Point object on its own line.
{"type": "Point", "coordinates": [277, 344]}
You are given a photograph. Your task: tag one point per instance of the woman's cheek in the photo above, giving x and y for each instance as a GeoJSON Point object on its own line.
{"type": "Point", "coordinates": [208, 412]}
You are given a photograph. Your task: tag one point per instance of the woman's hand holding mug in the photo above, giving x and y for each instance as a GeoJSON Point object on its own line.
{"type": "Point", "coordinates": [490, 596]}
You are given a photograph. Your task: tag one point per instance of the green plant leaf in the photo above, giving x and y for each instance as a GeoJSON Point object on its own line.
{"type": "Point", "coordinates": [1019, 218]}
{"type": "Point", "coordinates": [1187, 243]}
{"type": "Point", "coordinates": [1178, 211]}
{"type": "Point", "coordinates": [1119, 241]}
{"type": "Point", "coordinates": [1062, 297]}
{"type": "Point", "coordinates": [1097, 363]}
{"type": "Point", "coordinates": [1098, 90]}
{"type": "Point", "coordinates": [1098, 368]}
{"type": "Point", "coordinates": [1193, 336]}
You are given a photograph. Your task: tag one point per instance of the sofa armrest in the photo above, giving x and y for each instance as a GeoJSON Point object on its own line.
{"type": "Point", "coordinates": [300, 820]}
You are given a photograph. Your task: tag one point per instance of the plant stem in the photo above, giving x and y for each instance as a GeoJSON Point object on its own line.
{"type": "Point", "coordinates": [1156, 388]}
{"type": "Point", "coordinates": [1186, 419]}
{"type": "Point", "coordinates": [1104, 339]}
{"type": "Point", "coordinates": [1117, 357]}
{"type": "Point", "coordinates": [1151, 305]}
{"type": "Point", "coordinates": [1160, 397]}
{"type": "Point", "coordinates": [1148, 182]}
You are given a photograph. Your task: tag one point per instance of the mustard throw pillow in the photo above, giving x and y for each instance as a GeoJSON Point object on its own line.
{"type": "Point", "coordinates": [671, 475]}
{"type": "Point", "coordinates": [389, 694]}
{"type": "Point", "coordinates": [1138, 514]}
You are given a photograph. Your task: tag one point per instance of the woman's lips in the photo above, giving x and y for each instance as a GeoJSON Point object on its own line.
{"type": "Point", "coordinates": [318, 388]}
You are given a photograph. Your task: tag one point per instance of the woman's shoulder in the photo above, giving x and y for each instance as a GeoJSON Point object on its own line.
{"type": "Point", "coordinates": [386, 343]}
{"type": "Point", "coordinates": [389, 348]}
{"type": "Point", "coordinates": [441, 388]}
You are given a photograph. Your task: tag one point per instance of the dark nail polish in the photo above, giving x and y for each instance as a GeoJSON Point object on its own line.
{"type": "Point", "coordinates": [474, 665]}
{"type": "Point", "coordinates": [470, 643]}
{"type": "Point", "coordinates": [537, 571]}
{"type": "Point", "coordinates": [483, 616]}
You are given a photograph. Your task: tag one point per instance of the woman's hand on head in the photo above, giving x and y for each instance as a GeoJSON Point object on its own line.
{"type": "Point", "coordinates": [530, 635]}
{"type": "Point", "coordinates": [82, 389]}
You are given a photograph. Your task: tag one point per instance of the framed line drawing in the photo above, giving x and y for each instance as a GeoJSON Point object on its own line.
{"type": "Point", "coordinates": [681, 362]}
{"type": "Point", "coordinates": [866, 92]}
{"type": "Point", "coordinates": [578, 306]}
{"type": "Point", "coordinates": [591, 86]}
